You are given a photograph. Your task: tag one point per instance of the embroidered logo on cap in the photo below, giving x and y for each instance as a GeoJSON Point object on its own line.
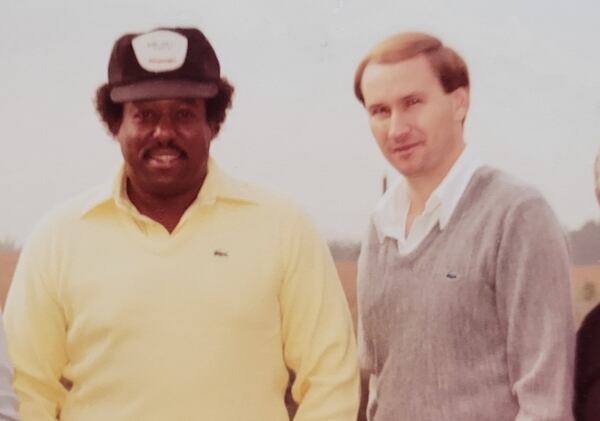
{"type": "Point", "coordinates": [160, 51]}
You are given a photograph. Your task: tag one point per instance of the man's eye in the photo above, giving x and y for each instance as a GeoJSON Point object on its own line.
{"type": "Point", "coordinates": [412, 101]}
{"type": "Point", "coordinates": [184, 114]}
{"type": "Point", "coordinates": [379, 111]}
{"type": "Point", "coordinates": [144, 115]}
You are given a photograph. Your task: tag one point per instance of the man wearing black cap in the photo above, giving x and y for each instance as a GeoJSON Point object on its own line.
{"type": "Point", "coordinates": [177, 293]}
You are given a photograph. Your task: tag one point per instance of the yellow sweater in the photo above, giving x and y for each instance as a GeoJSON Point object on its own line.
{"type": "Point", "coordinates": [200, 324]}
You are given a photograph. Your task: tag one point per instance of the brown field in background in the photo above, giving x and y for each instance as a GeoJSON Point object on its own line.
{"type": "Point", "coordinates": [585, 290]}
{"type": "Point", "coordinates": [585, 284]}
{"type": "Point", "coordinates": [8, 261]}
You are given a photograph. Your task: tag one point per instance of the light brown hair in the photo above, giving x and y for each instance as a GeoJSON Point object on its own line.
{"type": "Point", "coordinates": [449, 67]}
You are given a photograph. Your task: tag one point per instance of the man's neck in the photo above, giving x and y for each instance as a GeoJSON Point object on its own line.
{"type": "Point", "coordinates": [421, 187]}
{"type": "Point", "coordinates": [166, 210]}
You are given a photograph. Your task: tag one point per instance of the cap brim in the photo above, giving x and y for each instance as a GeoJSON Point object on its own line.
{"type": "Point", "coordinates": [163, 89]}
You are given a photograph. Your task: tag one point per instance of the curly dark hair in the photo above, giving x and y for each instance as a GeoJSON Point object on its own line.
{"type": "Point", "coordinates": [111, 113]}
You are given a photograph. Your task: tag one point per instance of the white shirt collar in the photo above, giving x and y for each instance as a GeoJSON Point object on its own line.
{"type": "Point", "coordinates": [389, 216]}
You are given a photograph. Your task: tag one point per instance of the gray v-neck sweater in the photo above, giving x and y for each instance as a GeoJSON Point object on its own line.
{"type": "Point", "coordinates": [476, 323]}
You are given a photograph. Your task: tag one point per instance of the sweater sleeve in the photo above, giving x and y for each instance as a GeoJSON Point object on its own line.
{"type": "Point", "coordinates": [534, 309]}
{"type": "Point", "coordinates": [364, 270]}
{"type": "Point", "coordinates": [318, 338]}
{"type": "Point", "coordinates": [366, 354]}
{"type": "Point", "coordinates": [36, 330]}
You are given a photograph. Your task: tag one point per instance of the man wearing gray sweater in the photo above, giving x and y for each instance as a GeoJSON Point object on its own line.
{"type": "Point", "coordinates": [463, 291]}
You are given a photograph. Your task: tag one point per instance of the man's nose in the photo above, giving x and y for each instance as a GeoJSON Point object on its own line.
{"type": "Point", "coordinates": [164, 130]}
{"type": "Point", "coordinates": [399, 127]}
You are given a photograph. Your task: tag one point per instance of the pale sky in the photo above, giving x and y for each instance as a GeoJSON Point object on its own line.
{"type": "Point", "coordinates": [295, 127]}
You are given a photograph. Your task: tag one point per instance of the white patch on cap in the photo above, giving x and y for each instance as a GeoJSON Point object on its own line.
{"type": "Point", "coordinates": [160, 51]}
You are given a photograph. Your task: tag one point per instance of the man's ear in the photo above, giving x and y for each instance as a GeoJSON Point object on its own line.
{"type": "Point", "coordinates": [460, 103]}
{"type": "Point", "coordinates": [212, 129]}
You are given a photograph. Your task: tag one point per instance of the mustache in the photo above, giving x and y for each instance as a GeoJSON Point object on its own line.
{"type": "Point", "coordinates": [146, 152]}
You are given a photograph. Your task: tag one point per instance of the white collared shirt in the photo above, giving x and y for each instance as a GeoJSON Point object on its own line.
{"type": "Point", "coordinates": [391, 212]}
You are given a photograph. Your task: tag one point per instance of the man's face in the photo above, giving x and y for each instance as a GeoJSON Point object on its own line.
{"type": "Point", "coordinates": [418, 126]}
{"type": "Point", "coordinates": [165, 144]}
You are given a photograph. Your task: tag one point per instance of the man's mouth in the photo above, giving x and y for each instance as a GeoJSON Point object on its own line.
{"type": "Point", "coordinates": [406, 148]}
{"type": "Point", "coordinates": [164, 157]}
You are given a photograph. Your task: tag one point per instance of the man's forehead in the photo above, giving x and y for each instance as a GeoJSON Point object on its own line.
{"type": "Point", "coordinates": [398, 78]}
{"type": "Point", "coordinates": [413, 68]}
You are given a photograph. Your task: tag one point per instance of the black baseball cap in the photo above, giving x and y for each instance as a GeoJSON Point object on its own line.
{"type": "Point", "coordinates": [161, 64]}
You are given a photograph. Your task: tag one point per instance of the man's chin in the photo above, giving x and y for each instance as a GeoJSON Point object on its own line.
{"type": "Point", "coordinates": [165, 184]}
{"type": "Point", "coordinates": [406, 169]}
{"type": "Point", "coordinates": [167, 190]}
{"type": "Point", "coordinates": [162, 187]}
